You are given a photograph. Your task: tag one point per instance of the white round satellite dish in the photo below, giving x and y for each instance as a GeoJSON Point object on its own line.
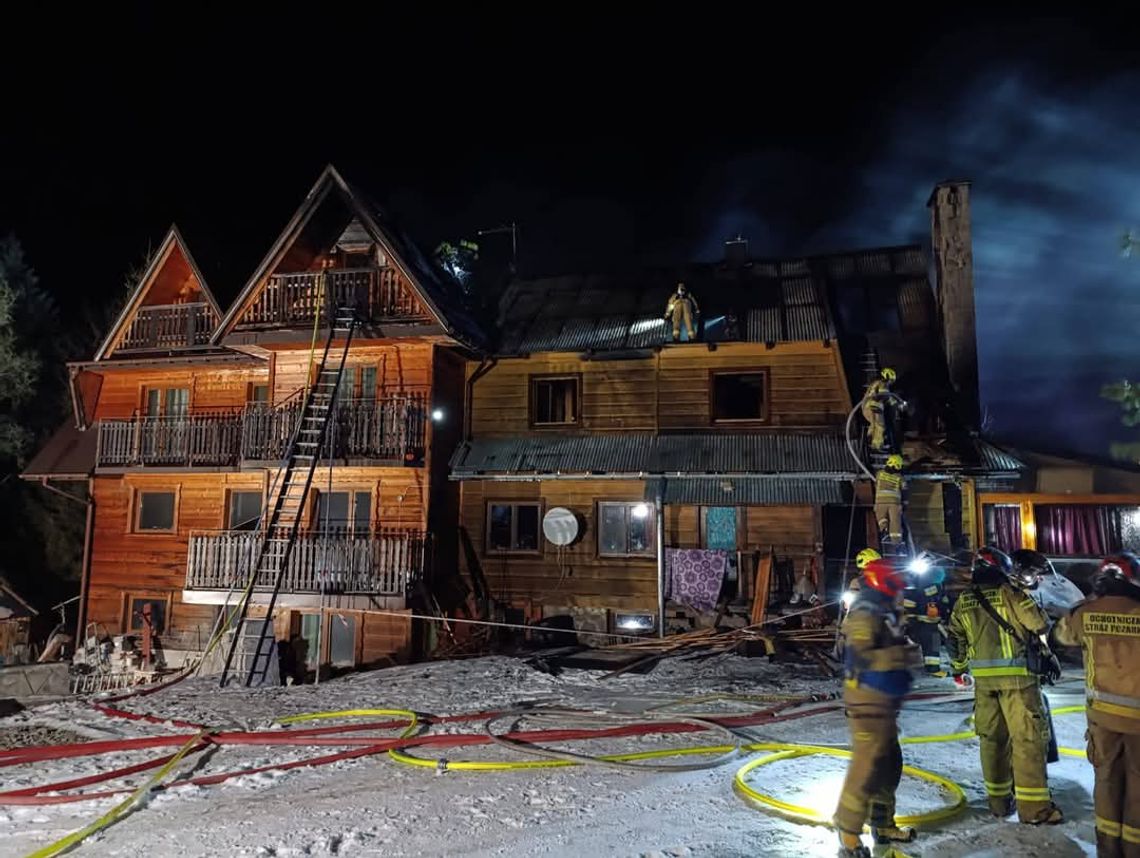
{"type": "Point", "coordinates": [560, 526]}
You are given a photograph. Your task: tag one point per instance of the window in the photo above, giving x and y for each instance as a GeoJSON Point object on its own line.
{"type": "Point", "coordinates": [244, 510]}
{"type": "Point", "coordinates": [136, 614]}
{"type": "Point", "coordinates": [367, 383]}
{"type": "Point", "coordinates": [166, 401]}
{"type": "Point", "coordinates": [348, 512]}
{"type": "Point", "coordinates": [342, 639]}
{"type": "Point", "coordinates": [554, 401]}
{"type": "Point", "coordinates": [739, 397]}
{"type": "Point", "coordinates": [154, 511]}
{"type": "Point", "coordinates": [259, 393]}
{"type": "Point", "coordinates": [512, 527]}
{"type": "Point", "coordinates": [347, 388]}
{"type": "Point", "coordinates": [626, 530]}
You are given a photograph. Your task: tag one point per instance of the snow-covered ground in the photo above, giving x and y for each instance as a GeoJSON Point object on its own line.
{"type": "Point", "coordinates": [374, 806]}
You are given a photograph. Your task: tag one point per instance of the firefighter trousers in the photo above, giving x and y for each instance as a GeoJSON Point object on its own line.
{"type": "Point", "coordinates": [874, 772]}
{"type": "Point", "coordinates": [888, 514]}
{"type": "Point", "coordinates": [1014, 736]}
{"type": "Point", "coordinates": [929, 638]}
{"type": "Point", "coordinates": [876, 425]}
{"type": "Point", "coordinates": [682, 315]}
{"type": "Point", "coordinates": [1116, 794]}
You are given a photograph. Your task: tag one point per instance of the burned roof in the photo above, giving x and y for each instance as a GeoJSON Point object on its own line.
{"type": "Point", "coordinates": [762, 301]}
{"type": "Point", "coordinates": [637, 454]}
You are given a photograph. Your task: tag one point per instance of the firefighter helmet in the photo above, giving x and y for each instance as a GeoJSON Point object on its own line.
{"type": "Point", "coordinates": [866, 556]}
{"type": "Point", "coordinates": [888, 375]}
{"type": "Point", "coordinates": [1029, 566]}
{"type": "Point", "coordinates": [885, 577]}
{"type": "Point", "coordinates": [895, 462]}
{"type": "Point", "coordinates": [1123, 567]}
{"type": "Point", "coordinates": [987, 558]}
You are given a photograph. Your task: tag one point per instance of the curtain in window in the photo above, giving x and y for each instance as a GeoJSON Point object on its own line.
{"type": "Point", "coordinates": [1078, 529]}
{"type": "Point", "coordinates": [1005, 527]}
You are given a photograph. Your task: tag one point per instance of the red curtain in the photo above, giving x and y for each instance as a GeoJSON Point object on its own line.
{"type": "Point", "coordinates": [1079, 529]}
{"type": "Point", "coordinates": [1005, 527]}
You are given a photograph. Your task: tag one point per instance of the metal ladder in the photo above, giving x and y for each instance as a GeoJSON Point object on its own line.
{"type": "Point", "coordinates": [284, 522]}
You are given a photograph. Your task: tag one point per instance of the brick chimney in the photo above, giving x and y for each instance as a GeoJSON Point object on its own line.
{"type": "Point", "coordinates": [949, 206]}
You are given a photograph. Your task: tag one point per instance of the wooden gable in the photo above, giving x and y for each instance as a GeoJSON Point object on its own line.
{"type": "Point", "coordinates": [171, 309]}
{"type": "Point", "coordinates": [334, 251]}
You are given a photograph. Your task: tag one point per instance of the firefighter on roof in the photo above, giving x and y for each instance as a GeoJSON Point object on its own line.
{"type": "Point", "coordinates": [682, 309]}
{"type": "Point", "coordinates": [1107, 627]}
{"type": "Point", "coordinates": [878, 665]}
{"type": "Point", "coordinates": [874, 408]}
{"type": "Point", "coordinates": [993, 627]}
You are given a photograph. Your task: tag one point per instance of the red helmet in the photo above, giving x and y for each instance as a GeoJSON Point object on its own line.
{"type": "Point", "coordinates": [1124, 566]}
{"type": "Point", "coordinates": [989, 558]}
{"type": "Point", "coordinates": [884, 576]}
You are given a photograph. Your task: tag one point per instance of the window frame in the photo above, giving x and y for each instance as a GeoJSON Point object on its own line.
{"type": "Point", "coordinates": [227, 511]}
{"type": "Point", "coordinates": [129, 599]}
{"type": "Point", "coordinates": [136, 511]}
{"type": "Point", "coordinates": [532, 399]}
{"type": "Point", "coordinates": [766, 405]}
{"type": "Point", "coordinates": [539, 505]}
{"type": "Point", "coordinates": [650, 553]}
{"type": "Point", "coordinates": [316, 522]}
{"type": "Point", "coordinates": [163, 391]}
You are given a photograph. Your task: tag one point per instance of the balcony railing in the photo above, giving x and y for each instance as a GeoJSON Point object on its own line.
{"type": "Point", "coordinates": [293, 299]}
{"type": "Point", "coordinates": [384, 429]}
{"type": "Point", "coordinates": [169, 326]}
{"type": "Point", "coordinates": [384, 563]}
{"type": "Point", "coordinates": [208, 438]}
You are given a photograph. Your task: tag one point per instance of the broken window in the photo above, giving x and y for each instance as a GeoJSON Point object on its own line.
{"type": "Point", "coordinates": [137, 611]}
{"type": "Point", "coordinates": [739, 396]}
{"type": "Point", "coordinates": [244, 511]}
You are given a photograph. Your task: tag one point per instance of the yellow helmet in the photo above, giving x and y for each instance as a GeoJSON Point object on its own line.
{"type": "Point", "coordinates": [888, 374]}
{"type": "Point", "coordinates": [866, 556]}
{"type": "Point", "coordinates": [895, 461]}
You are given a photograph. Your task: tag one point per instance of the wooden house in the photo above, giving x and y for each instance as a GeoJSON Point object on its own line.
{"type": "Point", "coordinates": [733, 442]}
{"type": "Point", "coordinates": [184, 415]}
{"type": "Point", "coordinates": [15, 627]}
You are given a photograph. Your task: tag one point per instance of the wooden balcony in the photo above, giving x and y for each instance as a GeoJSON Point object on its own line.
{"type": "Point", "coordinates": [169, 326]}
{"type": "Point", "coordinates": [386, 563]}
{"type": "Point", "coordinates": [384, 429]}
{"type": "Point", "coordinates": [290, 300]}
{"type": "Point", "coordinates": [365, 430]}
{"type": "Point", "coordinates": [197, 439]}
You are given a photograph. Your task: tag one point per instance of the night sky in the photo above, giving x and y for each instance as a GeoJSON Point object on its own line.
{"type": "Point", "coordinates": [610, 142]}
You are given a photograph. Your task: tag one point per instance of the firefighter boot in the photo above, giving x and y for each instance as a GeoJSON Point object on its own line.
{"type": "Point", "coordinates": [851, 846]}
{"type": "Point", "coordinates": [1002, 806]}
{"type": "Point", "coordinates": [893, 834]}
{"type": "Point", "coordinates": [1050, 815]}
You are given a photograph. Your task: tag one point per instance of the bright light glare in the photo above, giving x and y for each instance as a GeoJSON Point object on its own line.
{"type": "Point", "coordinates": [437, 415]}
{"type": "Point", "coordinates": [824, 795]}
{"type": "Point", "coordinates": [640, 511]}
{"type": "Point", "coordinates": [847, 598]}
{"type": "Point", "coordinates": [919, 566]}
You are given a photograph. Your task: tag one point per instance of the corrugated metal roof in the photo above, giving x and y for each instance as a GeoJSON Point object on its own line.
{"type": "Point", "coordinates": [994, 458]}
{"type": "Point", "coordinates": [748, 491]}
{"type": "Point", "coordinates": [643, 453]}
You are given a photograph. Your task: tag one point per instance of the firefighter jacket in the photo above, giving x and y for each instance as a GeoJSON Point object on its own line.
{"type": "Point", "coordinates": [927, 602]}
{"type": "Point", "coordinates": [888, 486]}
{"type": "Point", "coordinates": [676, 301]}
{"type": "Point", "coordinates": [878, 658]}
{"type": "Point", "coordinates": [1107, 628]}
{"type": "Point", "coordinates": [978, 644]}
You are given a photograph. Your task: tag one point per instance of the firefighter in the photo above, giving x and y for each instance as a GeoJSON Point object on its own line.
{"type": "Point", "coordinates": [1107, 627]}
{"type": "Point", "coordinates": [1009, 716]}
{"type": "Point", "coordinates": [874, 408]}
{"type": "Point", "coordinates": [878, 665]}
{"type": "Point", "coordinates": [682, 309]}
{"type": "Point", "coordinates": [926, 606]}
{"type": "Point", "coordinates": [889, 500]}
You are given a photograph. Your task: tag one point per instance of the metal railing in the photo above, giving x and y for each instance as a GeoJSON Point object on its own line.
{"type": "Point", "coordinates": [376, 293]}
{"type": "Point", "coordinates": [207, 438]}
{"type": "Point", "coordinates": [384, 563]}
{"type": "Point", "coordinates": [169, 326]}
{"type": "Point", "coordinates": [386, 428]}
